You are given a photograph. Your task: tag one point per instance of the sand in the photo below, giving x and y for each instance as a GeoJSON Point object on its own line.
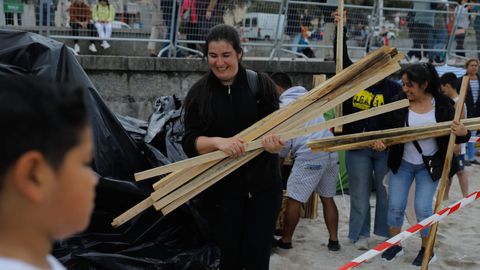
{"type": "Point", "coordinates": [457, 247]}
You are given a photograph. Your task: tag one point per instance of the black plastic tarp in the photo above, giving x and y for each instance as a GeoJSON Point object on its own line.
{"type": "Point", "coordinates": [149, 241]}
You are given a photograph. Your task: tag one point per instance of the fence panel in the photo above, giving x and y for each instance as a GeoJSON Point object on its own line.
{"type": "Point", "coordinates": [433, 30]}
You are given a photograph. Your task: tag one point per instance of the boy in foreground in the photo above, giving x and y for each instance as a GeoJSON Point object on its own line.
{"type": "Point", "coordinates": [47, 187]}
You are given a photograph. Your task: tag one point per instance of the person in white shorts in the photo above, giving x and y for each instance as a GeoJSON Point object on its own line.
{"type": "Point", "coordinates": [311, 172]}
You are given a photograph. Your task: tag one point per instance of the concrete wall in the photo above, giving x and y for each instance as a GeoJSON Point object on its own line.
{"type": "Point", "coordinates": [130, 85]}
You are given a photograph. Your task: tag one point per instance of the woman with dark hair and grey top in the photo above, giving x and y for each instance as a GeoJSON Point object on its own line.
{"type": "Point", "coordinates": [242, 208]}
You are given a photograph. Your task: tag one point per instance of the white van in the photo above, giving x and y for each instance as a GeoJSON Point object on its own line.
{"type": "Point", "coordinates": [262, 25]}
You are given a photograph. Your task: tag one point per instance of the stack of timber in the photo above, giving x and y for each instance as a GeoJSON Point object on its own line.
{"type": "Point", "coordinates": [388, 136]}
{"type": "Point", "coordinates": [182, 185]}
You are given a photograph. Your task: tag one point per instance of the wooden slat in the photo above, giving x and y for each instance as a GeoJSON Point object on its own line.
{"type": "Point", "coordinates": [164, 190]}
{"type": "Point", "coordinates": [339, 58]}
{"type": "Point", "coordinates": [446, 170]}
{"type": "Point", "coordinates": [391, 140]}
{"type": "Point", "coordinates": [188, 191]}
{"type": "Point", "coordinates": [137, 209]}
{"type": "Point", "coordinates": [187, 163]}
{"type": "Point", "coordinates": [269, 122]}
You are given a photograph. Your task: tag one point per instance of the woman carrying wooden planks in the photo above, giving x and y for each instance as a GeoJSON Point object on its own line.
{"type": "Point", "coordinates": [428, 105]}
{"type": "Point", "coordinates": [242, 208]}
{"type": "Point", "coordinates": [366, 166]}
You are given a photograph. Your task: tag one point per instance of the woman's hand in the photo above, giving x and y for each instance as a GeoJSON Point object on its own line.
{"type": "Point", "coordinates": [336, 17]}
{"type": "Point", "coordinates": [379, 146]}
{"type": "Point", "coordinates": [458, 129]}
{"type": "Point", "coordinates": [233, 146]}
{"type": "Point", "coordinates": [272, 143]}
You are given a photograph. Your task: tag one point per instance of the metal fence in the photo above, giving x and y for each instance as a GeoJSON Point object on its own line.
{"type": "Point", "coordinates": [434, 30]}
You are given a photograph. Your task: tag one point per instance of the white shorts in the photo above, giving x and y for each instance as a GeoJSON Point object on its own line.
{"type": "Point", "coordinates": [318, 175]}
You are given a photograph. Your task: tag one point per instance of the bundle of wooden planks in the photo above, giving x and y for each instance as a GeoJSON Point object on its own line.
{"type": "Point", "coordinates": [182, 185]}
{"type": "Point", "coordinates": [388, 136]}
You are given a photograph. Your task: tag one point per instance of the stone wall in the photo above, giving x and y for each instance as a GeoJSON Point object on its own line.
{"type": "Point", "coordinates": [130, 85]}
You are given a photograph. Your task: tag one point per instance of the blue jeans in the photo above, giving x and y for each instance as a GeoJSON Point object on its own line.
{"type": "Point", "coordinates": [398, 187]}
{"type": "Point", "coordinates": [364, 166]}
{"type": "Point", "coordinates": [471, 148]}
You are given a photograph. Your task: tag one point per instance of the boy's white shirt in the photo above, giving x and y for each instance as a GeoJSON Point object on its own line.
{"type": "Point", "coordinates": [14, 264]}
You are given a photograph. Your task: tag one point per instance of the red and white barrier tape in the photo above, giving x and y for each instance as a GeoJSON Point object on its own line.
{"type": "Point", "coordinates": [411, 231]}
{"type": "Point", "coordinates": [474, 139]}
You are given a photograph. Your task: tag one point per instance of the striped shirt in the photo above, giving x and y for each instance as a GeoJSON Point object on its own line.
{"type": "Point", "coordinates": [474, 87]}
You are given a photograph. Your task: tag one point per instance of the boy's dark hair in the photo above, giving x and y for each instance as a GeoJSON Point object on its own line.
{"type": "Point", "coordinates": [39, 115]}
{"type": "Point", "coordinates": [449, 78]}
{"type": "Point", "coordinates": [282, 79]}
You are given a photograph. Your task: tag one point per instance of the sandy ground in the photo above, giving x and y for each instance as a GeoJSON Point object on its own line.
{"type": "Point", "coordinates": [457, 247]}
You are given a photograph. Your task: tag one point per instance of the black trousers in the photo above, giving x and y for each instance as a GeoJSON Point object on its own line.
{"type": "Point", "coordinates": [243, 228]}
{"type": "Point", "coordinates": [76, 29]}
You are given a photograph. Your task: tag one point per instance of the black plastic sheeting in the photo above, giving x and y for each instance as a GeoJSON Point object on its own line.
{"type": "Point", "coordinates": [150, 240]}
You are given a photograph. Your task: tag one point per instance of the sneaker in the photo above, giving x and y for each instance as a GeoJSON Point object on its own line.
{"type": "Point", "coordinates": [392, 252]}
{"type": "Point", "coordinates": [362, 243]}
{"type": "Point", "coordinates": [76, 47]}
{"type": "Point", "coordinates": [418, 260]}
{"type": "Point", "coordinates": [467, 163]}
{"type": "Point", "coordinates": [474, 161]}
{"type": "Point", "coordinates": [425, 60]}
{"type": "Point", "coordinates": [414, 60]}
{"type": "Point", "coordinates": [92, 47]}
{"type": "Point", "coordinates": [333, 245]}
{"type": "Point", "coordinates": [279, 243]}
{"type": "Point", "coordinates": [105, 45]}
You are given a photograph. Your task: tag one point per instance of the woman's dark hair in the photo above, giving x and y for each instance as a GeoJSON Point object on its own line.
{"type": "Point", "coordinates": [422, 73]}
{"type": "Point", "coordinates": [223, 32]}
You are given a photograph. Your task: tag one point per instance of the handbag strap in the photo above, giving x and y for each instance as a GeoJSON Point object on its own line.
{"type": "Point", "coordinates": [417, 145]}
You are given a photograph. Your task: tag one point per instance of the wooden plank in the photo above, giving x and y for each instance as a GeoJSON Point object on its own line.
{"type": "Point", "coordinates": [353, 90]}
{"type": "Point", "coordinates": [191, 189]}
{"type": "Point", "coordinates": [264, 125]}
{"type": "Point", "coordinates": [446, 170]}
{"type": "Point", "coordinates": [137, 209]}
{"type": "Point", "coordinates": [195, 161]}
{"type": "Point", "coordinates": [339, 58]}
{"type": "Point", "coordinates": [267, 123]}
{"type": "Point", "coordinates": [393, 140]}
{"type": "Point", "coordinates": [389, 136]}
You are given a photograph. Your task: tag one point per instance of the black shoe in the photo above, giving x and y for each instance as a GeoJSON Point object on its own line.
{"type": "Point", "coordinates": [467, 163]}
{"type": "Point", "coordinates": [418, 260]}
{"type": "Point", "coordinates": [392, 252]}
{"type": "Point", "coordinates": [475, 162]}
{"type": "Point", "coordinates": [333, 245]}
{"type": "Point", "coordinates": [279, 243]}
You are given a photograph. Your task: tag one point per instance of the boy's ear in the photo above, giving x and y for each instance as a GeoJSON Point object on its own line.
{"type": "Point", "coordinates": [31, 174]}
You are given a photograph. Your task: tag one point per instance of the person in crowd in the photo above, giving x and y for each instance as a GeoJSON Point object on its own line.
{"type": "Point", "coordinates": [472, 99]}
{"type": "Point", "coordinates": [440, 33]}
{"type": "Point", "coordinates": [463, 22]}
{"type": "Point", "coordinates": [80, 18]}
{"type": "Point", "coordinates": [197, 17]}
{"type": "Point", "coordinates": [47, 187]}
{"type": "Point", "coordinates": [242, 208]}
{"type": "Point", "coordinates": [311, 171]}
{"type": "Point", "coordinates": [103, 16]}
{"type": "Point", "coordinates": [366, 167]}
{"type": "Point", "coordinates": [421, 86]}
{"type": "Point", "coordinates": [158, 29]}
{"type": "Point", "coordinates": [448, 83]}
{"type": "Point", "coordinates": [421, 31]}
{"type": "Point", "coordinates": [329, 28]}
{"type": "Point", "coordinates": [476, 26]}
